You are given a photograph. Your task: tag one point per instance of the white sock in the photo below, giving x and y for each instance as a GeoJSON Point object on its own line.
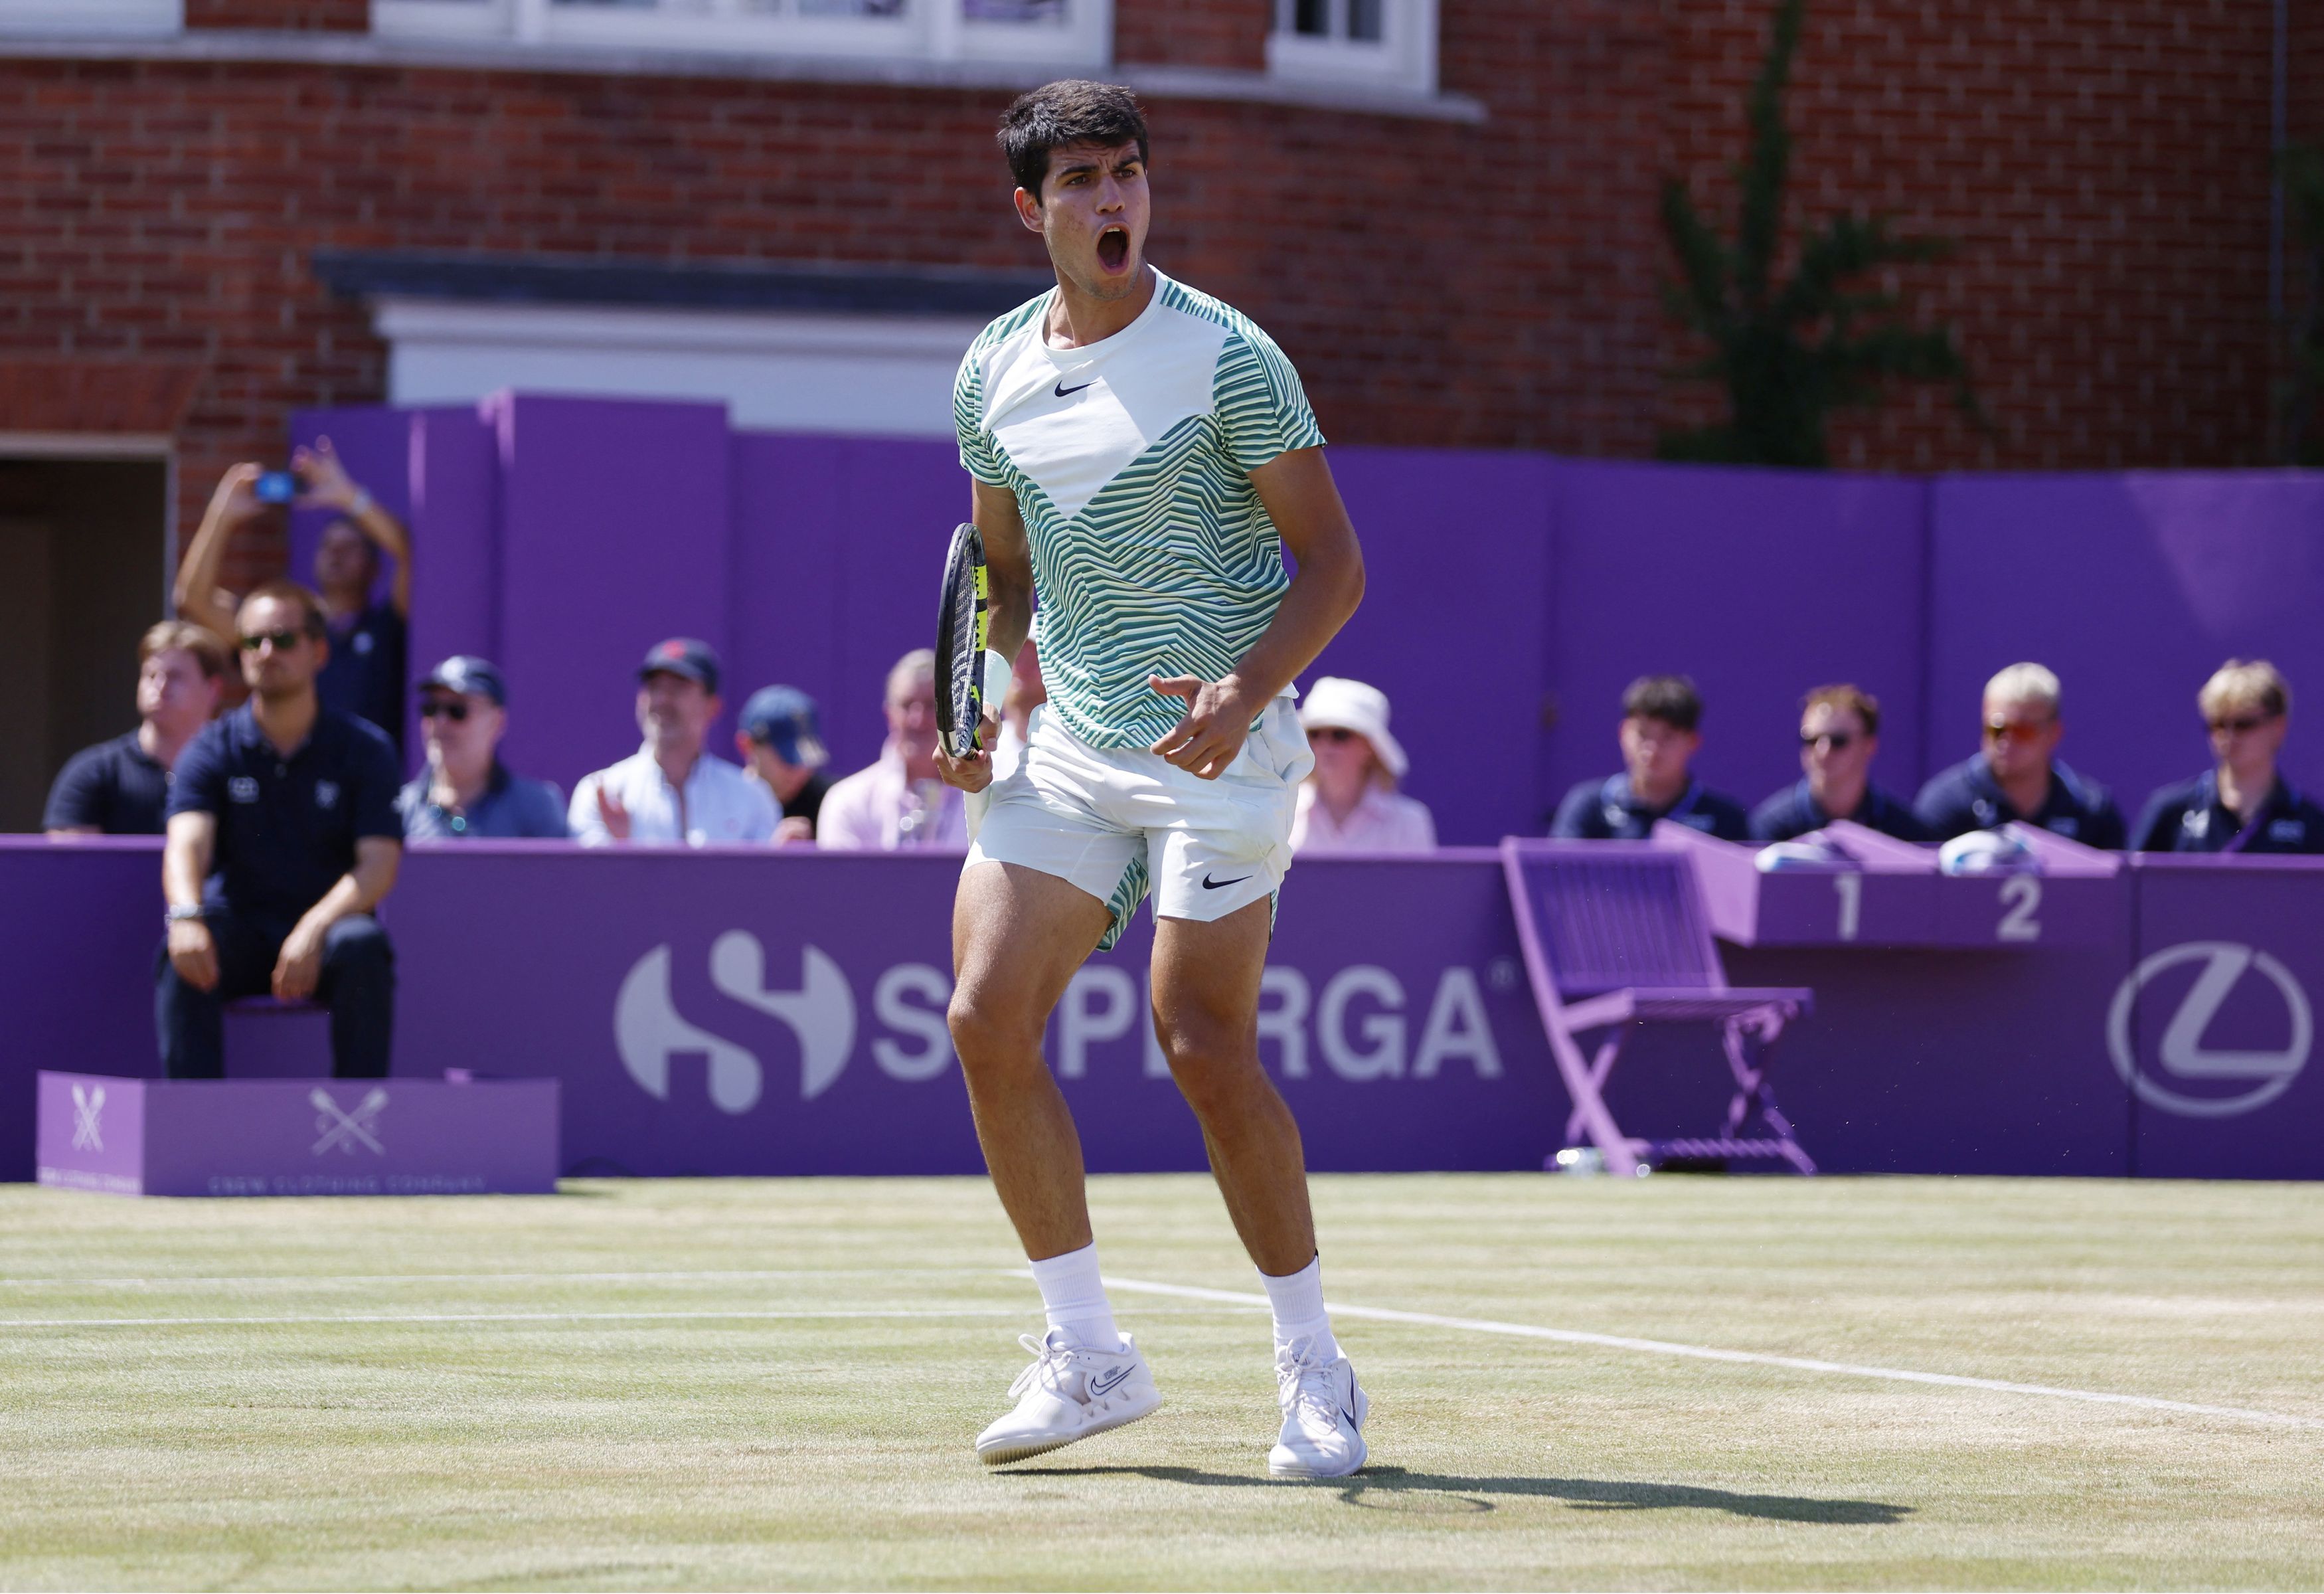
{"type": "Point", "coordinates": [1073, 1298]}
{"type": "Point", "coordinates": [1297, 1299]}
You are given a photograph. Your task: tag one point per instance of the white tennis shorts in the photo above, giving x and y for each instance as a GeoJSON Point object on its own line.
{"type": "Point", "coordinates": [1112, 820]}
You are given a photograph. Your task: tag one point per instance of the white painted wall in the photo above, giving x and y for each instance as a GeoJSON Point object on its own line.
{"type": "Point", "coordinates": [776, 371]}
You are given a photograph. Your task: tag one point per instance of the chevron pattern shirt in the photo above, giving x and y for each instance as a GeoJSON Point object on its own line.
{"type": "Point", "coordinates": [1130, 459]}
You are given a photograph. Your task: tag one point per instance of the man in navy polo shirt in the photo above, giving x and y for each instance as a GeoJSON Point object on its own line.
{"type": "Point", "coordinates": [1660, 735]}
{"type": "Point", "coordinates": [2018, 776]}
{"type": "Point", "coordinates": [2242, 803]}
{"type": "Point", "coordinates": [1840, 735]}
{"type": "Point", "coordinates": [283, 837]}
{"type": "Point", "coordinates": [465, 790]}
{"type": "Point", "coordinates": [122, 787]}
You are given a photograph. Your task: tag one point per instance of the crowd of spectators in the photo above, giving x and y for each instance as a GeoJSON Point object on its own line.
{"type": "Point", "coordinates": [279, 786]}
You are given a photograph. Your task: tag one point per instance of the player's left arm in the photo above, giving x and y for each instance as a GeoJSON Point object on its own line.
{"type": "Point", "coordinates": [1304, 503]}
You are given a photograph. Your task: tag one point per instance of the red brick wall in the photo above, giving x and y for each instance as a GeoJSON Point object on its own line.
{"type": "Point", "coordinates": [2104, 166]}
{"type": "Point", "coordinates": [342, 16]}
{"type": "Point", "coordinates": [2102, 162]}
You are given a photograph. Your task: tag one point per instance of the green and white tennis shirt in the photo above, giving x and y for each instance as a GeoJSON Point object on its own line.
{"type": "Point", "coordinates": [1129, 457]}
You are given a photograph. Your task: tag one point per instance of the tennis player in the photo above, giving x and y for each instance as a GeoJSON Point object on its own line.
{"type": "Point", "coordinates": [1142, 455]}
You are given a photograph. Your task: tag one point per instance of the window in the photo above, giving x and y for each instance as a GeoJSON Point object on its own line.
{"type": "Point", "coordinates": [1075, 32]}
{"type": "Point", "coordinates": [83, 18]}
{"type": "Point", "coordinates": [1391, 42]}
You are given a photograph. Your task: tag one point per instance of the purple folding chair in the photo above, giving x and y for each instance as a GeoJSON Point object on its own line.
{"type": "Point", "coordinates": [1614, 934]}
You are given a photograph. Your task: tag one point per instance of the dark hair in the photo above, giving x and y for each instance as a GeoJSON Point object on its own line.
{"type": "Point", "coordinates": [285, 590]}
{"type": "Point", "coordinates": [1073, 110]}
{"type": "Point", "coordinates": [179, 636]}
{"type": "Point", "coordinates": [1849, 699]}
{"type": "Point", "coordinates": [1670, 699]}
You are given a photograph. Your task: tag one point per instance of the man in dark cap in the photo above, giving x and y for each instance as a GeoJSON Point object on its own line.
{"type": "Point", "coordinates": [671, 792]}
{"type": "Point", "coordinates": [465, 790]}
{"type": "Point", "coordinates": [781, 745]}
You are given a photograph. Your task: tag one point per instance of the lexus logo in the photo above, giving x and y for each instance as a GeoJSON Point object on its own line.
{"type": "Point", "coordinates": [2181, 1053]}
{"type": "Point", "coordinates": [648, 1028]}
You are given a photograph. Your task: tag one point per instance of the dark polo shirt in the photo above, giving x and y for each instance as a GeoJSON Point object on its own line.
{"type": "Point", "coordinates": [1966, 798]}
{"type": "Point", "coordinates": [2189, 817]}
{"type": "Point", "coordinates": [808, 801]}
{"type": "Point", "coordinates": [287, 826]}
{"type": "Point", "coordinates": [113, 787]}
{"type": "Point", "coordinates": [1606, 810]}
{"type": "Point", "coordinates": [511, 805]}
{"type": "Point", "coordinates": [365, 674]}
{"type": "Point", "coordinates": [1792, 811]}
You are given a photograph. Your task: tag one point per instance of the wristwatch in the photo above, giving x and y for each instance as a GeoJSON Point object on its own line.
{"type": "Point", "coordinates": [180, 911]}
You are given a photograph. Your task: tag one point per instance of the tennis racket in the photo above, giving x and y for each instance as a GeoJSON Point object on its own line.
{"type": "Point", "coordinates": [960, 643]}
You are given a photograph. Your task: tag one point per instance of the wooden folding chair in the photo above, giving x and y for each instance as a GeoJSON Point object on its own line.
{"type": "Point", "coordinates": [1614, 934]}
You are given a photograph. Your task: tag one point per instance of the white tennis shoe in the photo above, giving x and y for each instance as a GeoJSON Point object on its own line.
{"type": "Point", "coordinates": [1324, 1413]}
{"type": "Point", "coordinates": [1070, 1392]}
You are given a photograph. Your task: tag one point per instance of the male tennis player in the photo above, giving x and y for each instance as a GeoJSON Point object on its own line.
{"type": "Point", "coordinates": [1142, 454]}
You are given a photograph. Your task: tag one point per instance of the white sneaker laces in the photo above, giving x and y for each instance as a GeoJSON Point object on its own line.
{"type": "Point", "coordinates": [1303, 1383]}
{"type": "Point", "coordinates": [1053, 1361]}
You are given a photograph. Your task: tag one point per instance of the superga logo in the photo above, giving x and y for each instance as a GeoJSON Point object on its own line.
{"type": "Point", "coordinates": [1359, 1025]}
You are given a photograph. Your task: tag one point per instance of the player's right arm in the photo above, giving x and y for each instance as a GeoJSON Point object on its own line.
{"type": "Point", "coordinates": [1008, 616]}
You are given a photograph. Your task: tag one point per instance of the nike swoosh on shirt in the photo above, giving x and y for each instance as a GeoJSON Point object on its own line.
{"type": "Point", "coordinates": [1063, 392]}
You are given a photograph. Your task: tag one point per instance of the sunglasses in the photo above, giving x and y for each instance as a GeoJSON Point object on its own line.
{"type": "Point", "coordinates": [1840, 740]}
{"type": "Point", "coordinates": [2249, 722]}
{"type": "Point", "coordinates": [2014, 731]}
{"type": "Point", "coordinates": [283, 641]}
{"type": "Point", "coordinates": [450, 709]}
{"type": "Point", "coordinates": [1333, 734]}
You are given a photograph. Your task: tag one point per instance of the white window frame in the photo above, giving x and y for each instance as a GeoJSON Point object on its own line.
{"type": "Point", "coordinates": [82, 19]}
{"type": "Point", "coordinates": [929, 30]}
{"type": "Point", "coordinates": [1404, 58]}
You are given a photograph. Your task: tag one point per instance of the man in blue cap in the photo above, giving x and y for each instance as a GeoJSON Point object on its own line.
{"type": "Point", "coordinates": [781, 744]}
{"type": "Point", "coordinates": [465, 790]}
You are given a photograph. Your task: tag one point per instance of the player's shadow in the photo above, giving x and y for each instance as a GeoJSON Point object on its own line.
{"type": "Point", "coordinates": [1394, 1488]}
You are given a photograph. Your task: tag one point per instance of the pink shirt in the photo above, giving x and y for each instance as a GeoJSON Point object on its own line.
{"type": "Point", "coordinates": [876, 810]}
{"type": "Point", "coordinates": [1383, 822]}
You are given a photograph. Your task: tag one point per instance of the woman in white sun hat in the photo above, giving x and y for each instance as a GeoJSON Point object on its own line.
{"type": "Point", "coordinates": [1350, 803]}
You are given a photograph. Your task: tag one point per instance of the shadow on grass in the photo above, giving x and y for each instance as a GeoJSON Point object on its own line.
{"type": "Point", "coordinates": [1393, 1488]}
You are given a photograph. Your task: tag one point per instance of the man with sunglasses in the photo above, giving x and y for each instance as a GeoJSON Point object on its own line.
{"type": "Point", "coordinates": [2242, 803]}
{"type": "Point", "coordinates": [1839, 734]}
{"type": "Point", "coordinates": [2018, 777]}
{"type": "Point", "coordinates": [282, 839]}
{"type": "Point", "coordinates": [465, 791]}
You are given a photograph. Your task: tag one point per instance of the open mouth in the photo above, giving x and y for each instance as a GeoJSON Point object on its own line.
{"type": "Point", "coordinates": [1113, 248]}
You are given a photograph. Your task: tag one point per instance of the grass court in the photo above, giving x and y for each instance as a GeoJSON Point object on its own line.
{"type": "Point", "coordinates": [775, 1383]}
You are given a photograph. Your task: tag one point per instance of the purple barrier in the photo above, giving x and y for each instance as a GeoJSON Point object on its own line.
{"type": "Point", "coordinates": [757, 1012]}
{"type": "Point", "coordinates": [243, 1137]}
{"type": "Point", "coordinates": [2133, 589]}
{"type": "Point", "coordinates": [1760, 584]}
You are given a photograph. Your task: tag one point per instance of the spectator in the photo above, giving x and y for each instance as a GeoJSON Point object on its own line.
{"type": "Point", "coordinates": [671, 792]}
{"type": "Point", "coordinates": [122, 787]}
{"type": "Point", "coordinates": [898, 801]}
{"type": "Point", "coordinates": [1027, 691]}
{"type": "Point", "coordinates": [1839, 735]}
{"type": "Point", "coordinates": [2244, 803]}
{"type": "Point", "coordinates": [781, 744]}
{"type": "Point", "coordinates": [2018, 777]}
{"type": "Point", "coordinates": [1660, 735]}
{"type": "Point", "coordinates": [282, 839]}
{"type": "Point", "coordinates": [465, 789]}
{"type": "Point", "coordinates": [1349, 801]}
{"type": "Point", "coordinates": [364, 676]}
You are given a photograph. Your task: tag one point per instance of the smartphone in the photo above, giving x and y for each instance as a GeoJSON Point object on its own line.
{"type": "Point", "coordinates": [277, 486]}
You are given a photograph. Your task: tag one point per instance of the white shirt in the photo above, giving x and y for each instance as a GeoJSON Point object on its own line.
{"type": "Point", "coordinates": [721, 805]}
{"type": "Point", "coordinates": [1382, 821]}
{"type": "Point", "coordinates": [876, 810]}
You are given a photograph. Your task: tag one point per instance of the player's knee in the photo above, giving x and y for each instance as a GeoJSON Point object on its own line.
{"type": "Point", "coordinates": [1213, 1062]}
{"type": "Point", "coordinates": [986, 1035]}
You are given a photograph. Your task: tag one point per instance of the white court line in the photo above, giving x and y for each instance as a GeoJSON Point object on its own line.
{"type": "Point", "coordinates": [844, 1314]}
{"type": "Point", "coordinates": [1712, 1353]}
{"type": "Point", "coordinates": [167, 1281]}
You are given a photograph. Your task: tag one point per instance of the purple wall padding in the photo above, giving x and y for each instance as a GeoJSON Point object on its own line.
{"type": "Point", "coordinates": [1760, 584]}
{"type": "Point", "coordinates": [2133, 589]}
